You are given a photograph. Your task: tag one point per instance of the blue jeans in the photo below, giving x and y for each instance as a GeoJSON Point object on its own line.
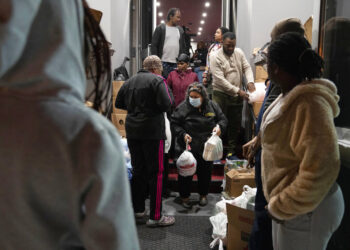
{"type": "Point", "coordinates": [199, 73]}
{"type": "Point", "coordinates": [167, 68]}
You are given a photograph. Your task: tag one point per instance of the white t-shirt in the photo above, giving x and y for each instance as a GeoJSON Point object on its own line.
{"type": "Point", "coordinates": [171, 44]}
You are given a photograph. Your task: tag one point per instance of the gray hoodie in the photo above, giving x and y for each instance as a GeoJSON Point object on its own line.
{"type": "Point", "coordinates": [63, 177]}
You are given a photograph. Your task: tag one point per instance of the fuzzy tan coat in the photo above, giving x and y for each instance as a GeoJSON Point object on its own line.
{"type": "Point", "coordinates": [300, 155]}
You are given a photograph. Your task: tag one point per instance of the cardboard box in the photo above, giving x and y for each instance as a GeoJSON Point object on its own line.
{"type": "Point", "coordinates": [119, 121]}
{"type": "Point", "coordinates": [116, 87]}
{"type": "Point", "coordinates": [239, 226]}
{"type": "Point", "coordinates": [118, 111]}
{"type": "Point", "coordinates": [256, 108]}
{"type": "Point", "coordinates": [235, 181]}
{"type": "Point", "coordinates": [260, 74]}
{"type": "Point", "coordinates": [122, 133]}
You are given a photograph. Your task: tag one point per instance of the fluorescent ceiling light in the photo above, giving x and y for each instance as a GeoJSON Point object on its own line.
{"type": "Point", "coordinates": [202, 22]}
{"type": "Point", "coordinates": [160, 14]}
{"type": "Point", "coordinates": [204, 14]}
{"type": "Point", "coordinates": [207, 4]}
{"type": "Point", "coordinates": [200, 28]}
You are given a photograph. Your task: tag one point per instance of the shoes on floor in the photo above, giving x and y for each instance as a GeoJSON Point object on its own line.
{"type": "Point", "coordinates": [163, 222]}
{"type": "Point", "coordinates": [203, 201]}
{"type": "Point", "coordinates": [140, 215]}
{"type": "Point", "coordinates": [186, 203]}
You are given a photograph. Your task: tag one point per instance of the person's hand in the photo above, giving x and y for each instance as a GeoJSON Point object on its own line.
{"type": "Point", "coordinates": [187, 138]}
{"type": "Point", "coordinates": [217, 130]}
{"type": "Point", "coordinates": [251, 86]}
{"type": "Point", "coordinates": [243, 94]}
{"type": "Point", "coordinates": [249, 150]}
{"type": "Point", "coordinates": [204, 81]}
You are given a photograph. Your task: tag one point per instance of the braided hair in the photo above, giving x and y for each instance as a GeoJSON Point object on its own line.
{"type": "Point", "coordinates": [97, 62]}
{"type": "Point", "coordinates": [293, 53]}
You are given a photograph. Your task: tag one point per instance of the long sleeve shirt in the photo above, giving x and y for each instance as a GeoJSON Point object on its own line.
{"type": "Point", "coordinates": [227, 71]}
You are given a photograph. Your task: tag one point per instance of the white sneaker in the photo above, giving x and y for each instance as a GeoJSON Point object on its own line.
{"type": "Point", "coordinates": [163, 222]}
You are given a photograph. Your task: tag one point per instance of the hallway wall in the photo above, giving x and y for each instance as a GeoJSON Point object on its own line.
{"type": "Point", "coordinates": [255, 20]}
{"type": "Point", "coordinates": [115, 24]}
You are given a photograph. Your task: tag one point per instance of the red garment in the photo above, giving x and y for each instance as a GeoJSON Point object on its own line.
{"type": "Point", "coordinates": [179, 81]}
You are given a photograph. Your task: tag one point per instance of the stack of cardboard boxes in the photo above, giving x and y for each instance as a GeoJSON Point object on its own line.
{"type": "Point", "coordinates": [260, 76]}
{"type": "Point", "coordinates": [239, 220]}
{"type": "Point", "coordinates": [118, 115]}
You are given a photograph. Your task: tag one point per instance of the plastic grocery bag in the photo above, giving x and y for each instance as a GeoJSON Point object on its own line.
{"type": "Point", "coordinates": [186, 163]}
{"type": "Point", "coordinates": [259, 93]}
{"type": "Point", "coordinates": [213, 148]}
{"type": "Point", "coordinates": [167, 143]}
{"type": "Point", "coordinates": [246, 196]}
{"type": "Point", "coordinates": [219, 223]}
{"type": "Point", "coordinates": [127, 157]}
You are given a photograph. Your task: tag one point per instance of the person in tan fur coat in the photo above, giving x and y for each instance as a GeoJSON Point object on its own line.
{"type": "Point", "coordinates": [300, 155]}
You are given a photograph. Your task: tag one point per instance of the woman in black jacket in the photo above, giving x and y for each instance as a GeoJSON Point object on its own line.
{"type": "Point", "coordinates": [194, 120]}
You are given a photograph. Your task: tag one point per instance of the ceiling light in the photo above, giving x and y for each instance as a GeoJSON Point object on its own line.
{"type": "Point", "coordinates": [204, 14]}
{"type": "Point", "coordinates": [158, 4]}
{"type": "Point", "coordinates": [162, 21]}
{"type": "Point", "coordinates": [192, 39]}
{"type": "Point", "coordinates": [200, 28]}
{"type": "Point", "coordinates": [202, 22]}
{"type": "Point", "coordinates": [199, 33]}
{"type": "Point", "coordinates": [207, 4]}
{"type": "Point", "coordinates": [160, 14]}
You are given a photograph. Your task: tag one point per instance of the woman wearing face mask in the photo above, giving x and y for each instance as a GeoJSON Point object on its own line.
{"type": "Point", "coordinates": [193, 121]}
{"type": "Point", "coordinates": [179, 79]}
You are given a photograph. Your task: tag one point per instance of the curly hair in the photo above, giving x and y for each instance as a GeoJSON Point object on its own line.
{"type": "Point", "coordinates": [152, 62]}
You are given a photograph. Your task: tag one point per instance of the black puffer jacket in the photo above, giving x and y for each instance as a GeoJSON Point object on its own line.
{"type": "Point", "coordinates": [146, 97]}
{"type": "Point", "coordinates": [199, 125]}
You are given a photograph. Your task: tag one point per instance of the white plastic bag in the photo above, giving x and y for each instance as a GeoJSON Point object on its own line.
{"type": "Point", "coordinates": [259, 93]}
{"type": "Point", "coordinates": [245, 197]}
{"type": "Point", "coordinates": [167, 143]}
{"type": "Point", "coordinates": [213, 148]}
{"type": "Point", "coordinates": [219, 223]}
{"type": "Point", "coordinates": [186, 163]}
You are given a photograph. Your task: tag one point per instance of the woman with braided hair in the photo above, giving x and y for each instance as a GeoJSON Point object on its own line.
{"type": "Point", "coordinates": [300, 155]}
{"type": "Point", "coordinates": [64, 182]}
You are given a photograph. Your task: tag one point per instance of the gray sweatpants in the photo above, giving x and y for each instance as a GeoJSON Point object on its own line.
{"type": "Point", "coordinates": [313, 230]}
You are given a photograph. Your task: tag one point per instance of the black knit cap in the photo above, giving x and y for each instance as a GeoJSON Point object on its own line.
{"type": "Point", "coordinates": [183, 58]}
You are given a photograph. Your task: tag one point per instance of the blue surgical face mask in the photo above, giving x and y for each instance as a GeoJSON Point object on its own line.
{"type": "Point", "coordinates": [195, 102]}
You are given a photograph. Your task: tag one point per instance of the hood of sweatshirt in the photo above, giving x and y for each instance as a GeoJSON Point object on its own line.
{"type": "Point", "coordinates": [33, 67]}
{"type": "Point", "coordinates": [321, 87]}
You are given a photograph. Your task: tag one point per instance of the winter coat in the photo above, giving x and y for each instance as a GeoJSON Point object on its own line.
{"type": "Point", "coordinates": [178, 83]}
{"type": "Point", "coordinates": [300, 155]}
{"type": "Point", "coordinates": [158, 39]}
{"type": "Point", "coordinates": [63, 176]}
{"type": "Point", "coordinates": [187, 119]}
{"type": "Point", "coordinates": [146, 97]}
